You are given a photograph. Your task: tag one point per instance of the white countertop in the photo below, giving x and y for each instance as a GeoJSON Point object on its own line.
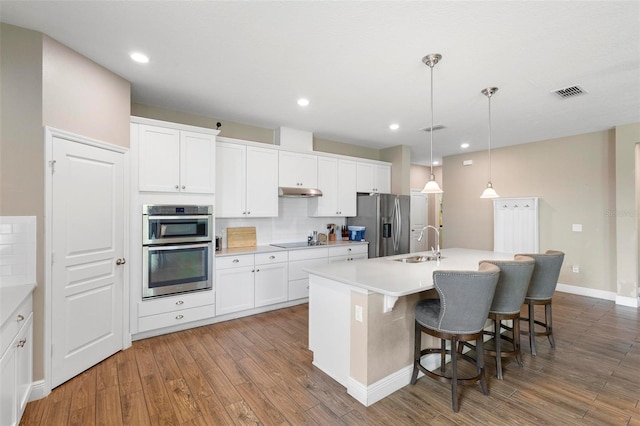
{"type": "Point", "coordinates": [386, 276]}
{"type": "Point", "coordinates": [270, 248]}
{"type": "Point", "coordinates": [11, 297]}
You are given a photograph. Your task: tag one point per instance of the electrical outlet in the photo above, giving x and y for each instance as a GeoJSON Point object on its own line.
{"type": "Point", "coordinates": [575, 269]}
{"type": "Point", "coordinates": [576, 227]}
{"type": "Point", "coordinates": [358, 313]}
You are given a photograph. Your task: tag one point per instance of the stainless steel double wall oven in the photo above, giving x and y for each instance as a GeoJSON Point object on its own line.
{"type": "Point", "coordinates": [177, 249]}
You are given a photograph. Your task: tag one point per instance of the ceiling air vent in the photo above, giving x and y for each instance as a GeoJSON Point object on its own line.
{"type": "Point", "coordinates": [569, 92]}
{"type": "Point", "coordinates": [436, 127]}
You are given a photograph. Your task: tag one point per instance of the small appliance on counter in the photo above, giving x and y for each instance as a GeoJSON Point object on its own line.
{"type": "Point", "coordinates": [356, 233]}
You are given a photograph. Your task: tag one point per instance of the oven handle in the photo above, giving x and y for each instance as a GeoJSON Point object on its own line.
{"type": "Point", "coordinates": [165, 247]}
{"type": "Point", "coordinates": [188, 217]}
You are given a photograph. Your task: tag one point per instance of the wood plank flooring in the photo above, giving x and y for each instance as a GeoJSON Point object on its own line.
{"type": "Point", "coordinates": [257, 371]}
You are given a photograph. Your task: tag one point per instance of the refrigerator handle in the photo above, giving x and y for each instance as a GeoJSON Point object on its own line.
{"type": "Point", "coordinates": [398, 220]}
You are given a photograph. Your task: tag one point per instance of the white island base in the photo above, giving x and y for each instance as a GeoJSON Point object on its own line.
{"type": "Point", "coordinates": [354, 335]}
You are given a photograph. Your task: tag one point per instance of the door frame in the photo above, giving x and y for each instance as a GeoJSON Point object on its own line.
{"type": "Point", "coordinates": [50, 133]}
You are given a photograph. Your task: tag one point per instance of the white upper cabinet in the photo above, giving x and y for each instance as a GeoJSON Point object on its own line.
{"type": "Point", "coordinates": [247, 181]}
{"type": "Point", "coordinates": [373, 177]}
{"type": "Point", "coordinates": [174, 160]}
{"type": "Point", "coordinates": [262, 182]}
{"type": "Point", "coordinates": [298, 170]}
{"type": "Point", "coordinates": [337, 181]}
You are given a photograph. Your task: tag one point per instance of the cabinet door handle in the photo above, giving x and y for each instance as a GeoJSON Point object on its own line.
{"type": "Point", "coordinates": [179, 316]}
{"type": "Point", "coordinates": [248, 212]}
{"type": "Point", "coordinates": [179, 302]}
{"type": "Point", "coordinates": [121, 261]}
{"type": "Point", "coordinates": [257, 270]}
{"type": "Point", "coordinates": [177, 187]}
{"type": "Point", "coordinates": [21, 343]}
{"type": "Point", "coordinates": [236, 260]}
{"type": "Point", "coordinates": [20, 318]}
{"type": "Point", "coordinates": [184, 187]}
{"type": "Point", "coordinates": [349, 249]}
{"type": "Point", "coordinates": [272, 257]}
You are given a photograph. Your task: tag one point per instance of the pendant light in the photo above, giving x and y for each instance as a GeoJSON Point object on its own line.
{"type": "Point", "coordinates": [432, 186]}
{"type": "Point", "coordinates": [489, 192]}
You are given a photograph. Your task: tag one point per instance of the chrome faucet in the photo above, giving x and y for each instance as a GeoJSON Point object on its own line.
{"type": "Point", "coordinates": [436, 252]}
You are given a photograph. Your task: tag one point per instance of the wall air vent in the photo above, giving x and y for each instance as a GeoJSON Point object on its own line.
{"type": "Point", "coordinates": [569, 92]}
{"type": "Point", "coordinates": [436, 127]}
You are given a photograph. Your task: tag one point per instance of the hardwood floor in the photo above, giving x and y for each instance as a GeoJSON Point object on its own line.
{"type": "Point", "coordinates": [257, 370]}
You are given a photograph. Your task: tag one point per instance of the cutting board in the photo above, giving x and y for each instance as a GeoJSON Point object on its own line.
{"type": "Point", "coordinates": [241, 237]}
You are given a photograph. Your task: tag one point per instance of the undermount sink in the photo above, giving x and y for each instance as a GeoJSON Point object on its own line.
{"type": "Point", "coordinates": [416, 259]}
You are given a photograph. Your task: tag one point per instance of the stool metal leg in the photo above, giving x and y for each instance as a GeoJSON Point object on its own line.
{"type": "Point", "coordinates": [497, 340]}
{"type": "Point", "coordinates": [532, 329]}
{"type": "Point", "coordinates": [549, 324]}
{"type": "Point", "coordinates": [454, 374]}
{"type": "Point", "coordinates": [416, 353]}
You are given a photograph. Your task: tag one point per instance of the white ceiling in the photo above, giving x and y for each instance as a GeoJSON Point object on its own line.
{"type": "Point", "coordinates": [360, 64]}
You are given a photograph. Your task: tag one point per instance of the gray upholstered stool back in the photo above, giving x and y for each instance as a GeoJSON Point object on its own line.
{"type": "Point", "coordinates": [545, 274]}
{"type": "Point", "coordinates": [465, 298]}
{"type": "Point", "coordinates": [513, 284]}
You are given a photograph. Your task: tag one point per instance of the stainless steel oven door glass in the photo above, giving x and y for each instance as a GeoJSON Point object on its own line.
{"type": "Point", "coordinates": [170, 269]}
{"type": "Point", "coordinates": [168, 224]}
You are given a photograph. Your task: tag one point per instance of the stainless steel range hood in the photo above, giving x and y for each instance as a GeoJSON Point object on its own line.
{"type": "Point", "coordinates": [299, 192]}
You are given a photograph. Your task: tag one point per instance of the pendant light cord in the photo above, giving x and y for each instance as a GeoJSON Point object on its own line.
{"type": "Point", "coordinates": [431, 132]}
{"type": "Point", "coordinates": [490, 138]}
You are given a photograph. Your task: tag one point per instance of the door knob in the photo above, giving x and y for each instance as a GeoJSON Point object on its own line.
{"type": "Point", "coordinates": [121, 262]}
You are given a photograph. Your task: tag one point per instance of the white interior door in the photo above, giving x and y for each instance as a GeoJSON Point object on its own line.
{"type": "Point", "coordinates": [418, 221]}
{"type": "Point", "coordinates": [87, 231]}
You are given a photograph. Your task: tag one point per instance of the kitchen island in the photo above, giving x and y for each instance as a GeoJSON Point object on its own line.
{"type": "Point", "coordinates": [361, 317]}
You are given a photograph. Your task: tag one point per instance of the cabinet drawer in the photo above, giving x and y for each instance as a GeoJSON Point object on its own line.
{"type": "Point", "coordinates": [348, 249]}
{"type": "Point", "coordinates": [227, 262]}
{"type": "Point", "coordinates": [16, 320]}
{"type": "Point", "coordinates": [165, 305]}
{"type": "Point", "coordinates": [273, 257]}
{"type": "Point", "coordinates": [308, 253]}
{"type": "Point", "coordinates": [297, 269]}
{"type": "Point", "coordinates": [348, 258]}
{"type": "Point", "coordinates": [298, 289]}
{"type": "Point", "coordinates": [153, 322]}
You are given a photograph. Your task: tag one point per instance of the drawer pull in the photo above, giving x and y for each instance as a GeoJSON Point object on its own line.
{"type": "Point", "coordinates": [272, 257]}
{"type": "Point", "coordinates": [21, 343]}
{"type": "Point", "coordinates": [179, 317]}
{"type": "Point", "coordinates": [20, 318]}
{"type": "Point", "coordinates": [349, 249]}
{"type": "Point", "coordinates": [236, 260]}
{"type": "Point", "coordinates": [179, 302]}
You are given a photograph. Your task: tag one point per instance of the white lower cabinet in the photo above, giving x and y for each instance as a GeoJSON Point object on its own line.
{"type": "Point", "coordinates": [299, 260]}
{"type": "Point", "coordinates": [348, 253]}
{"type": "Point", "coordinates": [250, 281]}
{"type": "Point", "coordinates": [175, 310]}
{"type": "Point", "coordinates": [270, 278]}
{"type": "Point", "coordinates": [16, 364]}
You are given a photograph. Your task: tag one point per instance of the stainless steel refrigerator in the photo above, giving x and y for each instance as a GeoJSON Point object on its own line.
{"type": "Point", "coordinates": [386, 218]}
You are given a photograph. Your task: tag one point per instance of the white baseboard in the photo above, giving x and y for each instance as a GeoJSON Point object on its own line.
{"type": "Point", "coordinates": [38, 391]}
{"type": "Point", "coordinates": [584, 291]}
{"type": "Point", "coordinates": [633, 302]}
{"type": "Point", "coordinates": [369, 395]}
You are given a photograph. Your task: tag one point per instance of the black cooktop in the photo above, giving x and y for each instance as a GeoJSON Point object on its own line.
{"type": "Point", "coordinates": [297, 244]}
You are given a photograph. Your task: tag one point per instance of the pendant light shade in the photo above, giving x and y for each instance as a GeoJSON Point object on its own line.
{"type": "Point", "coordinates": [432, 186]}
{"type": "Point", "coordinates": [489, 192]}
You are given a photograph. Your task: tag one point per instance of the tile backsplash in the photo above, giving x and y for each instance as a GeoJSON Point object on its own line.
{"type": "Point", "coordinates": [17, 250]}
{"type": "Point", "coordinates": [293, 223]}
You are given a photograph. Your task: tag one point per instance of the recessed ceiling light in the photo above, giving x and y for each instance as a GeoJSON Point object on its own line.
{"type": "Point", "coordinates": [303, 102]}
{"type": "Point", "coordinates": [139, 57]}
{"type": "Point", "coordinates": [435, 163]}
{"type": "Point", "coordinates": [394, 126]}
{"type": "Point", "coordinates": [464, 145]}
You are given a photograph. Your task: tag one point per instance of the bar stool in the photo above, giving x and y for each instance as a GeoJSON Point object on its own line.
{"type": "Point", "coordinates": [458, 316]}
{"type": "Point", "coordinates": [541, 288]}
{"type": "Point", "coordinates": [508, 298]}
